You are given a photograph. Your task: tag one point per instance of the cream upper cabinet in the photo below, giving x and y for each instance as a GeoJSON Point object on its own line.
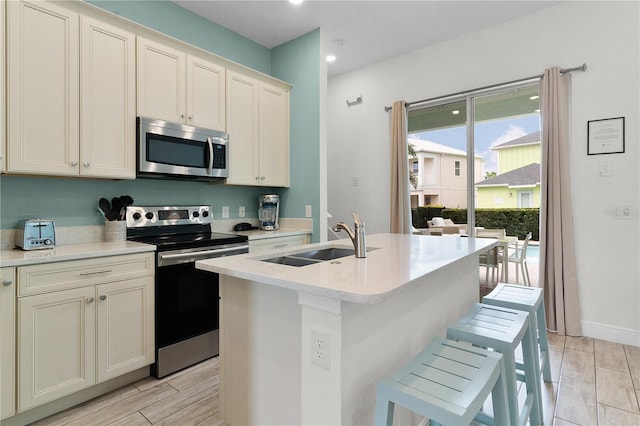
{"type": "Point", "coordinates": [107, 100]}
{"type": "Point", "coordinates": [3, 126]}
{"type": "Point", "coordinates": [42, 89]}
{"type": "Point", "coordinates": [258, 126]}
{"type": "Point", "coordinates": [7, 342]}
{"type": "Point", "coordinates": [71, 94]}
{"type": "Point", "coordinates": [179, 88]}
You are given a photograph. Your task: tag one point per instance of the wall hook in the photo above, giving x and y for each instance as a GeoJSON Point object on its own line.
{"type": "Point", "coordinates": [357, 101]}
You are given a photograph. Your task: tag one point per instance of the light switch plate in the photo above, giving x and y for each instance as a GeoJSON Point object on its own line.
{"type": "Point", "coordinates": [241, 211]}
{"type": "Point", "coordinates": [225, 212]}
{"type": "Point", "coordinates": [307, 211]}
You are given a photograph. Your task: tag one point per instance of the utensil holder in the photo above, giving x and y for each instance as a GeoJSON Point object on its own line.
{"type": "Point", "coordinates": [115, 230]}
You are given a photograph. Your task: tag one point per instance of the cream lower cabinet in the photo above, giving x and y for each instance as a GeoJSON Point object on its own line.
{"type": "Point", "coordinates": [258, 127]}
{"type": "Point", "coordinates": [3, 127]}
{"type": "Point", "coordinates": [73, 338]}
{"type": "Point", "coordinates": [278, 243]}
{"type": "Point", "coordinates": [70, 93]}
{"type": "Point", "coordinates": [7, 342]}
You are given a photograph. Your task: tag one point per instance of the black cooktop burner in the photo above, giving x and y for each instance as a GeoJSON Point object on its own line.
{"type": "Point", "coordinates": [175, 238]}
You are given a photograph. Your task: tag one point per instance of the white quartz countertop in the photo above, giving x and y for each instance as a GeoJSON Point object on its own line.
{"type": "Point", "coordinates": [393, 261]}
{"type": "Point", "coordinates": [18, 257]}
{"type": "Point", "coordinates": [257, 234]}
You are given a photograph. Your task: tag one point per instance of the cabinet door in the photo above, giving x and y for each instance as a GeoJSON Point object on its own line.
{"type": "Point", "coordinates": [205, 94]}
{"type": "Point", "coordinates": [161, 81]}
{"type": "Point", "coordinates": [56, 343]}
{"type": "Point", "coordinates": [242, 126]}
{"type": "Point", "coordinates": [274, 136]}
{"type": "Point", "coordinates": [107, 101]}
{"type": "Point", "coordinates": [3, 127]}
{"type": "Point", "coordinates": [7, 341]}
{"type": "Point", "coordinates": [42, 89]}
{"type": "Point", "coordinates": [125, 339]}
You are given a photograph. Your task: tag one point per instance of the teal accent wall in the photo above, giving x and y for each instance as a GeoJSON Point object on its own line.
{"type": "Point", "coordinates": [74, 201]}
{"type": "Point", "coordinates": [298, 62]}
{"type": "Point", "coordinates": [171, 19]}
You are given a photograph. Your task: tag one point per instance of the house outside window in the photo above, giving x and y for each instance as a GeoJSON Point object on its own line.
{"type": "Point", "coordinates": [456, 168]}
{"type": "Point", "coordinates": [414, 167]}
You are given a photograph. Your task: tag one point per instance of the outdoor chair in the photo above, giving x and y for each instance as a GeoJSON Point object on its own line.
{"type": "Point", "coordinates": [520, 259]}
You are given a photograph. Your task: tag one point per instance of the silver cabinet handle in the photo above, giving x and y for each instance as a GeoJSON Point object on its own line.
{"type": "Point", "coordinates": [86, 164]}
{"type": "Point", "coordinates": [74, 163]}
{"type": "Point", "coordinates": [103, 297]}
{"type": "Point", "coordinates": [191, 117]}
{"type": "Point", "coordinates": [95, 272]}
{"type": "Point", "coordinates": [181, 115]}
{"type": "Point", "coordinates": [281, 245]}
{"type": "Point", "coordinates": [7, 282]}
{"type": "Point", "coordinates": [90, 299]}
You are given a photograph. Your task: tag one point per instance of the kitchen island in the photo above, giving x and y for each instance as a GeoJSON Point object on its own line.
{"type": "Point", "coordinates": [307, 345]}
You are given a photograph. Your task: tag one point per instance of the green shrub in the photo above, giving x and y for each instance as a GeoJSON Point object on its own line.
{"type": "Point", "coordinates": [516, 222]}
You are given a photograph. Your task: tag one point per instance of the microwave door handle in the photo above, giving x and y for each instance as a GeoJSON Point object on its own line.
{"type": "Point", "coordinates": [209, 141]}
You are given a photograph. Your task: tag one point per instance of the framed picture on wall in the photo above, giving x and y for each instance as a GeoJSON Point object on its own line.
{"type": "Point", "coordinates": [605, 136]}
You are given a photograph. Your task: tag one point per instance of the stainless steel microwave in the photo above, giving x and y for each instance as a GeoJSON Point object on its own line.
{"type": "Point", "coordinates": [177, 151]}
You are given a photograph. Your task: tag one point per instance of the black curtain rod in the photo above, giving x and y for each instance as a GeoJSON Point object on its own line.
{"type": "Point", "coordinates": [582, 67]}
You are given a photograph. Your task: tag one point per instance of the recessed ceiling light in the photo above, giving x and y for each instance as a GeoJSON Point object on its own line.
{"type": "Point", "coordinates": [295, 1]}
{"type": "Point", "coordinates": [534, 97]}
{"type": "Point", "coordinates": [331, 58]}
{"type": "Point", "coordinates": [455, 112]}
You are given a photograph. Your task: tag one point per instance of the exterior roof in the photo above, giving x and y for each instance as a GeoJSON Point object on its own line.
{"type": "Point", "coordinates": [530, 139]}
{"type": "Point", "coordinates": [420, 145]}
{"type": "Point", "coordinates": [524, 176]}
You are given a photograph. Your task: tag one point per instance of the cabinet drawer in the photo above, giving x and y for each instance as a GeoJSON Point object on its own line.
{"type": "Point", "coordinates": [48, 277]}
{"type": "Point", "coordinates": [278, 243]}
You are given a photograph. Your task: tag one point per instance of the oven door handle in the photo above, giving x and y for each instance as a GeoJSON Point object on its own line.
{"type": "Point", "coordinates": [205, 254]}
{"type": "Point", "coordinates": [210, 142]}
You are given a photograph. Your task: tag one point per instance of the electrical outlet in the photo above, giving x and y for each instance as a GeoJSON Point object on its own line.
{"type": "Point", "coordinates": [241, 211]}
{"type": "Point", "coordinates": [225, 212]}
{"type": "Point", "coordinates": [307, 211]}
{"type": "Point", "coordinates": [354, 181]}
{"type": "Point", "coordinates": [321, 349]}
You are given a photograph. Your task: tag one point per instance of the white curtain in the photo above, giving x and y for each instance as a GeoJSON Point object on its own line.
{"type": "Point", "coordinates": [400, 207]}
{"type": "Point", "coordinates": [557, 243]}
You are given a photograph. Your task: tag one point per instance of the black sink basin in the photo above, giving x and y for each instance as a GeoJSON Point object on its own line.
{"type": "Point", "coordinates": [326, 254]}
{"type": "Point", "coordinates": [291, 261]}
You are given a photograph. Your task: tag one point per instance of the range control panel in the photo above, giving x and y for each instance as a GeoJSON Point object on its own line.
{"type": "Point", "coordinates": [139, 216]}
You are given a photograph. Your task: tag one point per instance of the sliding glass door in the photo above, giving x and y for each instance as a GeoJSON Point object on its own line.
{"type": "Point", "coordinates": [476, 150]}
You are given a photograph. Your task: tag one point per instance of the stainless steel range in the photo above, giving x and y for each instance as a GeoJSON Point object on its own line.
{"type": "Point", "coordinates": [186, 299]}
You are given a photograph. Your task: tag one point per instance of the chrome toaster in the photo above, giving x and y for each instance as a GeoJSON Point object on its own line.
{"type": "Point", "coordinates": [33, 234]}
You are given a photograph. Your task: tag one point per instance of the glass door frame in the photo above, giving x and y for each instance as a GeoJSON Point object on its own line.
{"type": "Point", "coordinates": [469, 98]}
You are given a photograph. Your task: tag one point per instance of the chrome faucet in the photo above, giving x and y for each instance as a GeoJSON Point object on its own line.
{"type": "Point", "coordinates": [357, 237]}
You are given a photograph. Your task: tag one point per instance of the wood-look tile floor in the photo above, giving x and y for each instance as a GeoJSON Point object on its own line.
{"type": "Point", "coordinates": [594, 382]}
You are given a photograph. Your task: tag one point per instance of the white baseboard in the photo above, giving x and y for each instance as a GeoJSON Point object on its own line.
{"type": "Point", "coordinates": [610, 334]}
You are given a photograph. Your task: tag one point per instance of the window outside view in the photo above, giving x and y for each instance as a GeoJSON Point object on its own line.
{"type": "Point", "coordinates": [507, 156]}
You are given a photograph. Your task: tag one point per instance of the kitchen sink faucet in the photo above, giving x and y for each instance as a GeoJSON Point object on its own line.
{"type": "Point", "coordinates": [357, 237]}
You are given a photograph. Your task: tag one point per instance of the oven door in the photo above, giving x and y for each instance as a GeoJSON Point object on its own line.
{"type": "Point", "coordinates": [169, 149]}
{"type": "Point", "coordinates": [187, 308]}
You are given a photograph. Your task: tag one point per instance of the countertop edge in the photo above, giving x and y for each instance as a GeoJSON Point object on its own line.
{"type": "Point", "coordinates": [17, 257]}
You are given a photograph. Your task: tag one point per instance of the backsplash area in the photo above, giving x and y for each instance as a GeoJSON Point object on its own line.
{"type": "Point", "coordinates": [74, 202]}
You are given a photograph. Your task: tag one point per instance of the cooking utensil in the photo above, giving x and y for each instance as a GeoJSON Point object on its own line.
{"type": "Point", "coordinates": [126, 201]}
{"type": "Point", "coordinates": [114, 211]}
{"type": "Point", "coordinates": [104, 206]}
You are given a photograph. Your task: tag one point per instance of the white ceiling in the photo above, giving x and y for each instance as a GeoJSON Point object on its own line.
{"type": "Point", "coordinates": [372, 30]}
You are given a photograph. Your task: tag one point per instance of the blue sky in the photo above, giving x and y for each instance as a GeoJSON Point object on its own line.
{"type": "Point", "coordinates": [487, 134]}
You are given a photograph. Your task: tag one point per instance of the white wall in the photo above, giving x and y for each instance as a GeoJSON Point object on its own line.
{"type": "Point", "coordinates": [606, 36]}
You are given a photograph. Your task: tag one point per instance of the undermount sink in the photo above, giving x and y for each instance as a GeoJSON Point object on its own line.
{"type": "Point", "coordinates": [291, 261]}
{"type": "Point", "coordinates": [312, 257]}
{"type": "Point", "coordinates": [326, 254]}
